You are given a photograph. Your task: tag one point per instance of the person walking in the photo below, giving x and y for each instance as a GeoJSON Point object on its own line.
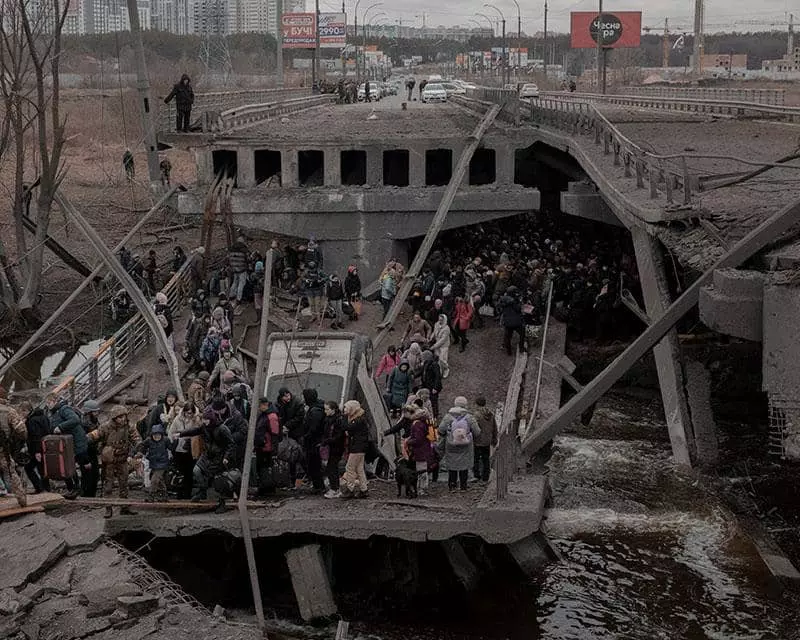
{"type": "Point", "coordinates": [354, 480]}
{"type": "Point", "coordinates": [13, 438]}
{"type": "Point", "coordinates": [156, 449]}
{"type": "Point", "coordinates": [399, 386]}
{"type": "Point", "coordinates": [188, 419]}
{"type": "Point", "coordinates": [388, 362]}
{"type": "Point", "coordinates": [352, 290]}
{"type": "Point", "coordinates": [183, 94]}
{"type": "Point", "coordinates": [388, 290]}
{"type": "Point", "coordinates": [419, 447]}
{"type": "Point", "coordinates": [485, 440]}
{"type": "Point", "coordinates": [511, 319]}
{"type": "Point", "coordinates": [457, 433]}
{"type": "Point", "coordinates": [334, 441]}
{"type": "Point", "coordinates": [37, 425]}
{"type": "Point", "coordinates": [440, 343]}
{"type": "Point", "coordinates": [335, 294]}
{"type": "Point", "coordinates": [313, 428]}
{"type": "Point", "coordinates": [237, 261]}
{"type": "Point", "coordinates": [461, 322]}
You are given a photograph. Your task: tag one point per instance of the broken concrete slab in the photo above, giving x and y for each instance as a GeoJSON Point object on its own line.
{"type": "Point", "coordinates": [132, 630]}
{"type": "Point", "coordinates": [311, 584]}
{"type": "Point", "coordinates": [56, 581]}
{"type": "Point", "coordinates": [103, 601]}
{"type": "Point", "coordinates": [137, 606]}
{"type": "Point", "coordinates": [31, 631]}
{"type": "Point", "coordinates": [100, 569]}
{"type": "Point", "coordinates": [532, 553]}
{"type": "Point", "coordinates": [12, 602]}
{"type": "Point", "coordinates": [81, 533]}
{"type": "Point", "coordinates": [28, 548]}
{"type": "Point", "coordinates": [464, 569]}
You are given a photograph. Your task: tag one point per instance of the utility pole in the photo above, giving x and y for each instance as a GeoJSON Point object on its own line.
{"type": "Point", "coordinates": [698, 38]}
{"type": "Point", "coordinates": [665, 45]}
{"type": "Point", "coordinates": [143, 86]}
{"type": "Point", "coordinates": [279, 38]}
{"type": "Point", "coordinates": [599, 34]}
{"type": "Point", "coordinates": [790, 42]}
{"type": "Point", "coordinates": [545, 39]}
{"type": "Point", "coordinates": [315, 74]}
{"type": "Point", "coordinates": [505, 54]}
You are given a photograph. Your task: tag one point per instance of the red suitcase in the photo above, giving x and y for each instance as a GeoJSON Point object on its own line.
{"type": "Point", "coordinates": [59, 457]}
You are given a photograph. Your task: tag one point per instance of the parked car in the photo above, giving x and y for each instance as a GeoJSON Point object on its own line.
{"type": "Point", "coordinates": [435, 78]}
{"type": "Point", "coordinates": [529, 90]}
{"type": "Point", "coordinates": [454, 89]}
{"type": "Point", "coordinates": [374, 92]}
{"type": "Point", "coordinates": [434, 92]}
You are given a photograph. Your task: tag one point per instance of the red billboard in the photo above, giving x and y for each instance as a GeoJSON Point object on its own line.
{"type": "Point", "coordinates": [615, 29]}
{"type": "Point", "coordinates": [299, 30]}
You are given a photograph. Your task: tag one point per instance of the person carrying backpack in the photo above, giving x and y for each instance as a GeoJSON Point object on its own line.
{"type": "Point", "coordinates": [267, 436]}
{"type": "Point", "coordinates": [457, 433]}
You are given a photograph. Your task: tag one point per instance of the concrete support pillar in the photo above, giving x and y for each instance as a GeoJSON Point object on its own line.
{"type": "Point", "coordinates": [698, 386]}
{"type": "Point", "coordinates": [466, 572]}
{"type": "Point", "coordinates": [370, 254]}
{"type": "Point", "coordinates": [290, 176]}
{"type": "Point", "coordinates": [310, 582]}
{"type": "Point", "coordinates": [205, 166]}
{"type": "Point", "coordinates": [374, 166]}
{"type": "Point", "coordinates": [583, 200]}
{"type": "Point", "coordinates": [532, 553]}
{"type": "Point", "coordinates": [245, 167]}
{"type": "Point", "coordinates": [504, 157]}
{"type": "Point", "coordinates": [333, 168]}
{"type": "Point", "coordinates": [667, 352]}
{"type": "Point", "coordinates": [416, 163]}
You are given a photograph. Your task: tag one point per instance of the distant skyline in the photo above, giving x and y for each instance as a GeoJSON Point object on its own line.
{"type": "Point", "coordinates": [731, 15]}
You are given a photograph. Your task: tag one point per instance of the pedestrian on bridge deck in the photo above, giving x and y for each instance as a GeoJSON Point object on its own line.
{"type": "Point", "coordinates": [183, 94]}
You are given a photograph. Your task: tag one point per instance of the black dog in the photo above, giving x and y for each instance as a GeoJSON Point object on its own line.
{"type": "Point", "coordinates": [406, 475]}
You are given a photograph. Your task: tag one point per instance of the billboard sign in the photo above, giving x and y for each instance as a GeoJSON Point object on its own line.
{"type": "Point", "coordinates": [616, 30]}
{"type": "Point", "coordinates": [299, 30]}
{"type": "Point", "coordinates": [332, 30]}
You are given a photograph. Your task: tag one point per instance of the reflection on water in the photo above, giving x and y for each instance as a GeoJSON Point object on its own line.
{"type": "Point", "coordinates": [46, 366]}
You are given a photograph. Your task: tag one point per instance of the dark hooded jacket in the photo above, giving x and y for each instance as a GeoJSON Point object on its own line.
{"type": "Point", "coordinates": [265, 440]}
{"type": "Point", "coordinates": [38, 426]}
{"type": "Point", "coordinates": [218, 441]}
{"type": "Point", "coordinates": [157, 453]}
{"type": "Point", "coordinates": [314, 421]}
{"type": "Point", "coordinates": [400, 381]}
{"type": "Point", "coordinates": [183, 94]}
{"type": "Point", "coordinates": [67, 420]}
{"type": "Point", "coordinates": [291, 415]}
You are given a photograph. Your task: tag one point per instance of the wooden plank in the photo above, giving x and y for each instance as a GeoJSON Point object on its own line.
{"type": "Point", "coordinates": [36, 500]}
{"type": "Point", "coordinates": [177, 505]}
{"type": "Point", "coordinates": [119, 388]}
{"type": "Point", "coordinates": [378, 412]}
{"type": "Point", "coordinates": [342, 630]}
{"type": "Point", "coordinates": [436, 224]}
{"type": "Point", "coordinates": [9, 513]}
{"type": "Point", "coordinates": [752, 243]}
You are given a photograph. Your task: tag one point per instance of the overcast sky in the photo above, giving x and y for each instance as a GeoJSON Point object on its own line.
{"type": "Point", "coordinates": [721, 15]}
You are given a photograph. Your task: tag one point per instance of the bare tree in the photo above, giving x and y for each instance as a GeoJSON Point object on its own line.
{"type": "Point", "coordinates": [42, 24]}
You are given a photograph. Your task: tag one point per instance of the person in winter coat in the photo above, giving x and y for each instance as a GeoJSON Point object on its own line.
{"type": "Point", "coordinates": [226, 362]}
{"type": "Point", "coordinates": [220, 322]}
{"type": "Point", "coordinates": [267, 438]}
{"type": "Point", "coordinates": [163, 413]}
{"type": "Point", "coordinates": [388, 290]}
{"type": "Point", "coordinates": [237, 261]}
{"type": "Point", "coordinates": [354, 481]}
{"type": "Point", "coordinates": [239, 400]}
{"type": "Point", "coordinates": [413, 356]}
{"type": "Point", "coordinates": [313, 287]}
{"type": "Point", "coordinates": [291, 413]}
{"type": "Point", "coordinates": [334, 439]}
{"type": "Point", "coordinates": [417, 330]}
{"type": "Point", "coordinates": [485, 441]}
{"type": "Point", "coordinates": [37, 426]}
{"type": "Point", "coordinates": [352, 289]}
{"type": "Point", "coordinates": [64, 419]}
{"type": "Point", "coordinates": [13, 438]}
{"type": "Point", "coordinates": [335, 293]}
{"type": "Point", "coordinates": [219, 451]}
{"type": "Point", "coordinates": [457, 433]}
{"type": "Point", "coordinates": [91, 421]}
{"type": "Point", "coordinates": [432, 379]}
{"type": "Point", "coordinates": [236, 425]}
{"type": "Point", "coordinates": [156, 449]}
{"type": "Point", "coordinates": [209, 351]}
{"type": "Point", "coordinates": [462, 322]}
{"type": "Point", "coordinates": [164, 317]}
{"type": "Point", "coordinates": [189, 418]}
{"type": "Point", "coordinates": [257, 282]}
{"type": "Point", "coordinates": [511, 318]}
{"type": "Point", "coordinates": [119, 438]}
{"type": "Point", "coordinates": [196, 393]}
{"type": "Point", "coordinates": [419, 447]}
{"type": "Point", "coordinates": [183, 94]}
{"type": "Point", "coordinates": [388, 361]}
{"type": "Point", "coordinates": [440, 343]}
{"type": "Point", "coordinates": [399, 385]}
{"type": "Point", "coordinates": [314, 430]}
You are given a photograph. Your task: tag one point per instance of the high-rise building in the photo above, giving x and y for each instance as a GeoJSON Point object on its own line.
{"type": "Point", "coordinates": [108, 16]}
{"type": "Point", "coordinates": [216, 17]}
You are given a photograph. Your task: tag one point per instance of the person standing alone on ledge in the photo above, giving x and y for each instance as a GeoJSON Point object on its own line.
{"type": "Point", "coordinates": [184, 99]}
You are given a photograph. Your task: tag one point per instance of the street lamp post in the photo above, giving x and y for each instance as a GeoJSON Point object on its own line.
{"type": "Point", "coordinates": [519, 37]}
{"type": "Point", "coordinates": [491, 28]}
{"type": "Point", "coordinates": [364, 34]}
{"type": "Point", "coordinates": [506, 78]}
{"type": "Point", "coordinates": [355, 39]}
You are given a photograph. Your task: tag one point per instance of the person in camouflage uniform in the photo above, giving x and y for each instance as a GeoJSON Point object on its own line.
{"type": "Point", "coordinates": [120, 438]}
{"type": "Point", "coordinates": [12, 431]}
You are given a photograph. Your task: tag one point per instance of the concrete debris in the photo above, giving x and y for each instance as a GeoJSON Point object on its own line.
{"type": "Point", "coordinates": [219, 611]}
{"type": "Point", "coordinates": [101, 602]}
{"type": "Point", "coordinates": [45, 595]}
{"type": "Point", "coordinates": [138, 606]}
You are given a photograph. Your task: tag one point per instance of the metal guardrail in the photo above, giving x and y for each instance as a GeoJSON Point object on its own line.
{"type": "Point", "coordinates": [219, 101]}
{"type": "Point", "coordinates": [688, 105]}
{"type": "Point", "coordinates": [98, 373]}
{"type": "Point", "coordinates": [247, 114]}
{"type": "Point", "coordinates": [775, 97]}
{"type": "Point", "coordinates": [653, 172]}
{"type": "Point", "coordinates": [508, 99]}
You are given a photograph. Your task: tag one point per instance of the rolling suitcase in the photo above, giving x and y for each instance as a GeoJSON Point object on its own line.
{"type": "Point", "coordinates": [59, 457]}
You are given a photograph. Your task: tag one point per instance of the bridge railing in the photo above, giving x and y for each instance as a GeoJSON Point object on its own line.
{"type": "Point", "coordinates": [98, 373]}
{"type": "Point", "coordinates": [654, 173]}
{"type": "Point", "coordinates": [508, 99]}
{"type": "Point", "coordinates": [246, 114]}
{"type": "Point", "coordinates": [219, 101]}
{"type": "Point", "coordinates": [775, 97]}
{"type": "Point", "coordinates": [688, 105]}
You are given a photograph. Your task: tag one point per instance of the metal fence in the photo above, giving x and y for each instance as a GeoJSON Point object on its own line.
{"type": "Point", "coordinates": [508, 99]}
{"type": "Point", "coordinates": [219, 101]}
{"type": "Point", "coordinates": [775, 97]}
{"type": "Point", "coordinates": [98, 373]}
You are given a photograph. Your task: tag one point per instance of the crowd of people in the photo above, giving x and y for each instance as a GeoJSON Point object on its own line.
{"type": "Point", "coordinates": [501, 273]}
